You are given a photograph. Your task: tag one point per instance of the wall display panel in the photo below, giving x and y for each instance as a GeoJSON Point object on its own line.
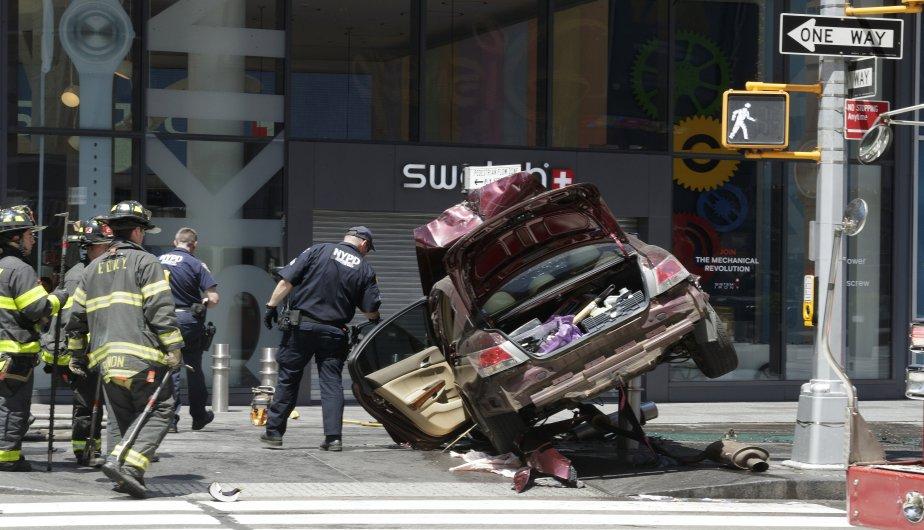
{"type": "Point", "coordinates": [729, 236]}
{"type": "Point", "coordinates": [481, 72]}
{"type": "Point", "coordinates": [216, 67]}
{"type": "Point", "coordinates": [607, 69]}
{"type": "Point", "coordinates": [353, 70]}
{"type": "Point", "coordinates": [237, 211]}
{"type": "Point", "coordinates": [73, 66]}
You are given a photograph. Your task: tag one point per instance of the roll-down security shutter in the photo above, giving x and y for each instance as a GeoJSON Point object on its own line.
{"type": "Point", "coordinates": [394, 259]}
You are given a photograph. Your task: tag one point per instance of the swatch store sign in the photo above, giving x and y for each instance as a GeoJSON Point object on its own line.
{"type": "Point", "coordinates": [449, 176]}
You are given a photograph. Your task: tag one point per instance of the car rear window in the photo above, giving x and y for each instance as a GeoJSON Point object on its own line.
{"type": "Point", "coordinates": [549, 273]}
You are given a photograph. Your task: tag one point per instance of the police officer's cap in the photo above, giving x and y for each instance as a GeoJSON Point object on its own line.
{"type": "Point", "coordinates": [129, 214]}
{"type": "Point", "coordinates": [18, 218]}
{"type": "Point", "coordinates": [363, 233]}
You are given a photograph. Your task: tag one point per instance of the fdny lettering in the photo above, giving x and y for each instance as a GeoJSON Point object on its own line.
{"type": "Point", "coordinates": [171, 259]}
{"type": "Point", "coordinates": [345, 258]}
{"type": "Point", "coordinates": [111, 265]}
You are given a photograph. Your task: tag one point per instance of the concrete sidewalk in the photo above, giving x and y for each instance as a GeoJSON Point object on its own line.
{"type": "Point", "coordinates": [229, 451]}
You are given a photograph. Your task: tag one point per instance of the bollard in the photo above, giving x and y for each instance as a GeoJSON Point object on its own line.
{"type": "Point", "coordinates": [268, 367]}
{"type": "Point", "coordinates": [221, 367]}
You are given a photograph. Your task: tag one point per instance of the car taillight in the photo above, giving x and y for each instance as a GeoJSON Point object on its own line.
{"type": "Point", "coordinates": [668, 271]}
{"type": "Point", "coordinates": [491, 353]}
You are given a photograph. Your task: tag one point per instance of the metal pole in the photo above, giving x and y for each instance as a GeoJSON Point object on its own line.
{"type": "Point", "coordinates": [626, 448]}
{"type": "Point", "coordinates": [821, 421]}
{"type": "Point", "coordinates": [221, 366]}
{"type": "Point", "coordinates": [268, 367]}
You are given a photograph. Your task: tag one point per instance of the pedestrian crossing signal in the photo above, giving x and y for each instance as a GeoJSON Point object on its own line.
{"type": "Point", "coordinates": [754, 119]}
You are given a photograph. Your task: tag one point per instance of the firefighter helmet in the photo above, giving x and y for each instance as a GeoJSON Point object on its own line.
{"type": "Point", "coordinates": [90, 232]}
{"type": "Point", "coordinates": [13, 220]}
{"type": "Point", "coordinates": [128, 214]}
{"type": "Point", "coordinates": [26, 211]}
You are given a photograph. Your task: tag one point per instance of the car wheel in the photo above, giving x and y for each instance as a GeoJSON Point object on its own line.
{"type": "Point", "coordinates": [715, 357]}
{"type": "Point", "coordinates": [502, 430]}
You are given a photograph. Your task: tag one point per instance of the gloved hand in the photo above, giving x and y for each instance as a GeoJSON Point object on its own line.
{"type": "Point", "coordinates": [61, 295]}
{"type": "Point", "coordinates": [78, 366]}
{"type": "Point", "coordinates": [174, 360]}
{"type": "Point", "coordinates": [271, 316]}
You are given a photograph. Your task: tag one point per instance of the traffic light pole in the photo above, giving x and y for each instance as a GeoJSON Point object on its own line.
{"type": "Point", "coordinates": [821, 420]}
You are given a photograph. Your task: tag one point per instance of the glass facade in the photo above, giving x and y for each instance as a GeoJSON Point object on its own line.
{"type": "Point", "coordinates": [191, 107]}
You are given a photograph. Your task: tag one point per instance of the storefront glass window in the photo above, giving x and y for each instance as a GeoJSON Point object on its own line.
{"type": "Point", "coordinates": [74, 64]}
{"type": "Point", "coordinates": [726, 211]}
{"type": "Point", "coordinates": [480, 73]}
{"type": "Point", "coordinates": [231, 193]}
{"type": "Point", "coordinates": [607, 68]}
{"type": "Point", "coordinates": [216, 67]}
{"type": "Point", "coordinates": [353, 70]}
{"type": "Point", "coordinates": [868, 260]}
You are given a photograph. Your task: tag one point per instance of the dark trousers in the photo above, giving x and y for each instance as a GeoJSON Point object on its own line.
{"type": "Point", "coordinates": [328, 345]}
{"type": "Point", "coordinates": [15, 401]}
{"type": "Point", "coordinates": [126, 402]}
{"type": "Point", "coordinates": [84, 393]}
{"type": "Point", "coordinates": [193, 332]}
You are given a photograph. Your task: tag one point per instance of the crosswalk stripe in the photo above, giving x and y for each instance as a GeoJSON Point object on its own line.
{"type": "Point", "coordinates": [103, 520]}
{"type": "Point", "coordinates": [96, 507]}
{"type": "Point", "coordinates": [503, 520]}
{"type": "Point", "coordinates": [516, 505]}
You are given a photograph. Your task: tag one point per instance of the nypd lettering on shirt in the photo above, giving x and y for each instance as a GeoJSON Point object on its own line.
{"type": "Point", "coordinates": [171, 259]}
{"type": "Point", "coordinates": [345, 258]}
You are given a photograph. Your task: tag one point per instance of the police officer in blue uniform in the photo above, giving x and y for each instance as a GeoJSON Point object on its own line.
{"type": "Point", "coordinates": [193, 290]}
{"type": "Point", "coordinates": [325, 284]}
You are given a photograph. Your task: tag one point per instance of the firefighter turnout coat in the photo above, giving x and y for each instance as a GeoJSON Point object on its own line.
{"type": "Point", "coordinates": [124, 303]}
{"type": "Point", "coordinates": [70, 283]}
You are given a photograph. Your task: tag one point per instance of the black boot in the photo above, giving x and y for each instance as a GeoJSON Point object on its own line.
{"type": "Point", "coordinates": [127, 479]}
{"type": "Point", "coordinates": [21, 465]}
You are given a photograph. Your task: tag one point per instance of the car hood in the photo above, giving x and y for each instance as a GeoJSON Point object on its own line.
{"type": "Point", "coordinates": [434, 238]}
{"type": "Point", "coordinates": [526, 234]}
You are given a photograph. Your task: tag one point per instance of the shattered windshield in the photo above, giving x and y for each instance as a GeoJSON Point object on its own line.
{"type": "Point", "coordinates": [550, 273]}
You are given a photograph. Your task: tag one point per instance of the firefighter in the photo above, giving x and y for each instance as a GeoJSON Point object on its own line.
{"type": "Point", "coordinates": [24, 306]}
{"type": "Point", "coordinates": [327, 282]}
{"type": "Point", "coordinates": [124, 303]}
{"type": "Point", "coordinates": [94, 239]}
{"type": "Point", "coordinates": [194, 290]}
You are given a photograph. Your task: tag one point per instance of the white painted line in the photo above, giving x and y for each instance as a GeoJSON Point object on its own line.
{"type": "Point", "coordinates": [96, 507]}
{"type": "Point", "coordinates": [103, 520]}
{"type": "Point", "coordinates": [538, 519]}
{"type": "Point", "coordinates": [516, 505]}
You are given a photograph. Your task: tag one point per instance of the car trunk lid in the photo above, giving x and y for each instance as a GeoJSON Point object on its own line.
{"type": "Point", "coordinates": [526, 234]}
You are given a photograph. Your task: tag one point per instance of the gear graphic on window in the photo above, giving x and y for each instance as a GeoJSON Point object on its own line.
{"type": "Point", "coordinates": [694, 237]}
{"type": "Point", "coordinates": [726, 207]}
{"type": "Point", "coordinates": [701, 73]}
{"type": "Point", "coordinates": [701, 135]}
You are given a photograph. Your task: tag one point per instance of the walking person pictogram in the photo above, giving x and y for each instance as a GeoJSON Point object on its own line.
{"type": "Point", "coordinates": [739, 116]}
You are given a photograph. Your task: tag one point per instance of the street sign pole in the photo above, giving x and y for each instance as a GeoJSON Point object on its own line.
{"type": "Point", "coordinates": [821, 419]}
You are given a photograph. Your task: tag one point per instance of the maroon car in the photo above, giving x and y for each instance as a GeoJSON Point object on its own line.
{"type": "Point", "coordinates": [537, 300]}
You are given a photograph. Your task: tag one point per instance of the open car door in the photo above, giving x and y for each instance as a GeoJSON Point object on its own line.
{"type": "Point", "coordinates": [402, 379]}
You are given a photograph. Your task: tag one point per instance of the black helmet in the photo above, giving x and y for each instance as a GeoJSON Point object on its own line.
{"type": "Point", "coordinates": [26, 211]}
{"type": "Point", "coordinates": [128, 214]}
{"type": "Point", "coordinates": [90, 232]}
{"type": "Point", "coordinates": [13, 220]}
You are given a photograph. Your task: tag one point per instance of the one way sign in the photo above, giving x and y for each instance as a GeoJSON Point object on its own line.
{"type": "Point", "coordinates": [841, 36]}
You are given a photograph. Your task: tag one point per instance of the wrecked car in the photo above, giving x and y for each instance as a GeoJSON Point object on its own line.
{"type": "Point", "coordinates": [536, 300]}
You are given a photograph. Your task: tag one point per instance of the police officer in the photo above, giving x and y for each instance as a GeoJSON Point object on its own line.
{"type": "Point", "coordinates": [24, 304]}
{"type": "Point", "coordinates": [94, 239]}
{"type": "Point", "coordinates": [194, 290]}
{"type": "Point", "coordinates": [124, 303]}
{"type": "Point", "coordinates": [324, 285]}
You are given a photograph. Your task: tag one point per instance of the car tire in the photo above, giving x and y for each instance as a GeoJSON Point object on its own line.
{"type": "Point", "coordinates": [502, 430]}
{"type": "Point", "coordinates": [717, 357]}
